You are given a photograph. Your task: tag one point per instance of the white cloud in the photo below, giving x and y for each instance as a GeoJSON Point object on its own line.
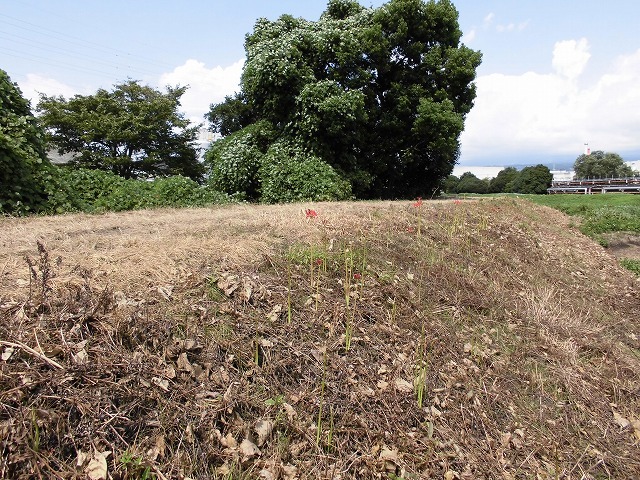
{"type": "Point", "coordinates": [512, 27]}
{"type": "Point", "coordinates": [469, 37]}
{"type": "Point", "coordinates": [206, 85]}
{"type": "Point", "coordinates": [36, 84]}
{"type": "Point", "coordinates": [570, 57]}
{"type": "Point", "coordinates": [550, 114]}
{"type": "Point", "coordinates": [488, 19]}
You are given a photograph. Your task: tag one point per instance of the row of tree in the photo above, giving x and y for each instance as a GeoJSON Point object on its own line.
{"type": "Point", "coordinates": [529, 180]}
{"type": "Point", "coordinates": [364, 102]}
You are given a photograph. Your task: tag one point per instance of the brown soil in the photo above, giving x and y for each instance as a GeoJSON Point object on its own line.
{"type": "Point", "coordinates": [624, 245]}
{"type": "Point", "coordinates": [473, 340]}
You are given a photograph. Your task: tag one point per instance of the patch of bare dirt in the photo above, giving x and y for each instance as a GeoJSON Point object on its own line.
{"type": "Point", "coordinates": [473, 340]}
{"type": "Point", "coordinates": [624, 245]}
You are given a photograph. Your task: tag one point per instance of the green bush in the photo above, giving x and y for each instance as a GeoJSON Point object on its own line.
{"type": "Point", "coordinates": [131, 195]}
{"type": "Point", "coordinates": [234, 161]}
{"type": "Point", "coordinates": [78, 189]}
{"type": "Point", "coordinates": [23, 163]}
{"type": "Point", "coordinates": [287, 174]}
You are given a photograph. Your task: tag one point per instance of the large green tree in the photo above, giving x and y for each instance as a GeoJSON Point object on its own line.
{"type": "Point", "coordinates": [133, 130]}
{"type": "Point", "coordinates": [503, 181]}
{"type": "Point", "coordinates": [23, 163]}
{"type": "Point", "coordinates": [599, 164]}
{"type": "Point", "coordinates": [379, 95]}
{"type": "Point", "coordinates": [532, 180]}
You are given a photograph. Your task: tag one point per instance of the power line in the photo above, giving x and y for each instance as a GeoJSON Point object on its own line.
{"type": "Point", "coordinates": [74, 41]}
{"type": "Point", "coordinates": [42, 46]}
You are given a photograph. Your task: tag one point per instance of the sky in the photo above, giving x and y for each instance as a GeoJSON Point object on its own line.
{"type": "Point", "coordinates": [555, 74]}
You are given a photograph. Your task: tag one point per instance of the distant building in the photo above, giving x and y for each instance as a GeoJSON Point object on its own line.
{"type": "Point", "coordinates": [635, 165]}
{"type": "Point", "coordinates": [562, 175]}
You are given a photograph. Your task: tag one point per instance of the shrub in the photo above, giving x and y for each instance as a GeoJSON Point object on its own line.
{"type": "Point", "coordinates": [287, 174]}
{"type": "Point", "coordinates": [234, 161]}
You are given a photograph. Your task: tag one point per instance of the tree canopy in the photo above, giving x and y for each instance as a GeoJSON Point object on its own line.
{"type": "Point", "coordinates": [601, 165]}
{"type": "Point", "coordinates": [532, 180]}
{"type": "Point", "coordinates": [23, 162]}
{"type": "Point", "coordinates": [503, 182]}
{"type": "Point", "coordinates": [378, 96]}
{"type": "Point", "coordinates": [134, 131]}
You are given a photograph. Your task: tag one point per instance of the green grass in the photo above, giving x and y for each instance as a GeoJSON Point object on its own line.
{"type": "Point", "coordinates": [631, 265]}
{"type": "Point", "coordinates": [600, 213]}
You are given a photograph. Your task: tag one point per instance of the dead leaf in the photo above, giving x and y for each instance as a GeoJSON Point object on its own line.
{"type": "Point", "coordinates": [289, 472]}
{"type": "Point", "coordinates": [267, 474]}
{"type": "Point", "coordinates": [6, 354]}
{"type": "Point", "coordinates": [275, 313]}
{"type": "Point", "coordinates": [263, 429]}
{"type": "Point", "coordinates": [389, 459]}
{"type": "Point", "coordinates": [249, 449]}
{"type": "Point", "coordinates": [229, 442]}
{"type": "Point", "coordinates": [82, 458]}
{"type": "Point", "coordinates": [291, 413]}
{"type": "Point", "coordinates": [403, 386]}
{"type": "Point", "coordinates": [183, 363]}
{"type": "Point", "coordinates": [97, 468]}
{"type": "Point", "coordinates": [382, 385]}
{"type": "Point", "coordinates": [228, 284]}
{"type": "Point", "coordinates": [158, 449]}
{"type": "Point", "coordinates": [81, 358]}
{"type": "Point", "coordinates": [162, 383]}
{"type": "Point", "coordinates": [636, 428]}
{"type": "Point", "coordinates": [620, 420]}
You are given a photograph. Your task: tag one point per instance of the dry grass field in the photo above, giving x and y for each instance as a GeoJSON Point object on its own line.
{"type": "Point", "coordinates": [482, 339]}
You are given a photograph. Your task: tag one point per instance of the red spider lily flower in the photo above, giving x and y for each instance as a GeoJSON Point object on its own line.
{"type": "Point", "coordinates": [411, 229]}
{"type": "Point", "coordinates": [357, 276]}
{"type": "Point", "coordinates": [418, 203]}
{"type": "Point", "coordinates": [311, 213]}
{"type": "Point", "coordinates": [319, 261]}
{"type": "Point", "coordinates": [457, 202]}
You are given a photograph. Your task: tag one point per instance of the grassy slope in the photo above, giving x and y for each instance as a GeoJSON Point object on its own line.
{"type": "Point", "coordinates": [600, 213]}
{"type": "Point", "coordinates": [521, 334]}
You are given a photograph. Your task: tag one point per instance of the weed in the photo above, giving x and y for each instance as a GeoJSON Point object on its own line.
{"type": "Point", "coordinates": [134, 468]}
{"type": "Point", "coordinates": [631, 264]}
{"type": "Point", "coordinates": [41, 275]}
{"type": "Point", "coordinates": [35, 432]}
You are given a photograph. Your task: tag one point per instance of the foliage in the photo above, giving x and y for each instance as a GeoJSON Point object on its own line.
{"type": "Point", "coordinates": [379, 94]}
{"type": "Point", "coordinates": [82, 190]}
{"type": "Point", "coordinates": [469, 183]}
{"type": "Point", "coordinates": [234, 161]}
{"type": "Point", "coordinates": [78, 189]}
{"type": "Point", "coordinates": [450, 184]}
{"type": "Point", "coordinates": [533, 180]}
{"type": "Point", "coordinates": [502, 182]}
{"type": "Point", "coordinates": [289, 174]}
{"type": "Point", "coordinates": [231, 115]}
{"type": "Point", "coordinates": [133, 131]}
{"type": "Point", "coordinates": [601, 165]}
{"type": "Point", "coordinates": [23, 163]}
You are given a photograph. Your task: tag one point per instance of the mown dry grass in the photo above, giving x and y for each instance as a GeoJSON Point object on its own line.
{"type": "Point", "coordinates": [254, 342]}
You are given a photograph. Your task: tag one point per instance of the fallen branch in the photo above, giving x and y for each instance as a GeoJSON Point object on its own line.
{"type": "Point", "coordinates": [33, 352]}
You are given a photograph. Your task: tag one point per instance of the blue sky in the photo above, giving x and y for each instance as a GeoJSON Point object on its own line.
{"type": "Point", "coordinates": [555, 74]}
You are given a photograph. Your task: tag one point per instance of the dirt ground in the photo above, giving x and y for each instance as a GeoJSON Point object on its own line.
{"type": "Point", "coordinates": [624, 246]}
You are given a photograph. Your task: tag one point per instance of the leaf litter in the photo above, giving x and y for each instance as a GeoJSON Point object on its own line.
{"type": "Point", "coordinates": [204, 358]}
